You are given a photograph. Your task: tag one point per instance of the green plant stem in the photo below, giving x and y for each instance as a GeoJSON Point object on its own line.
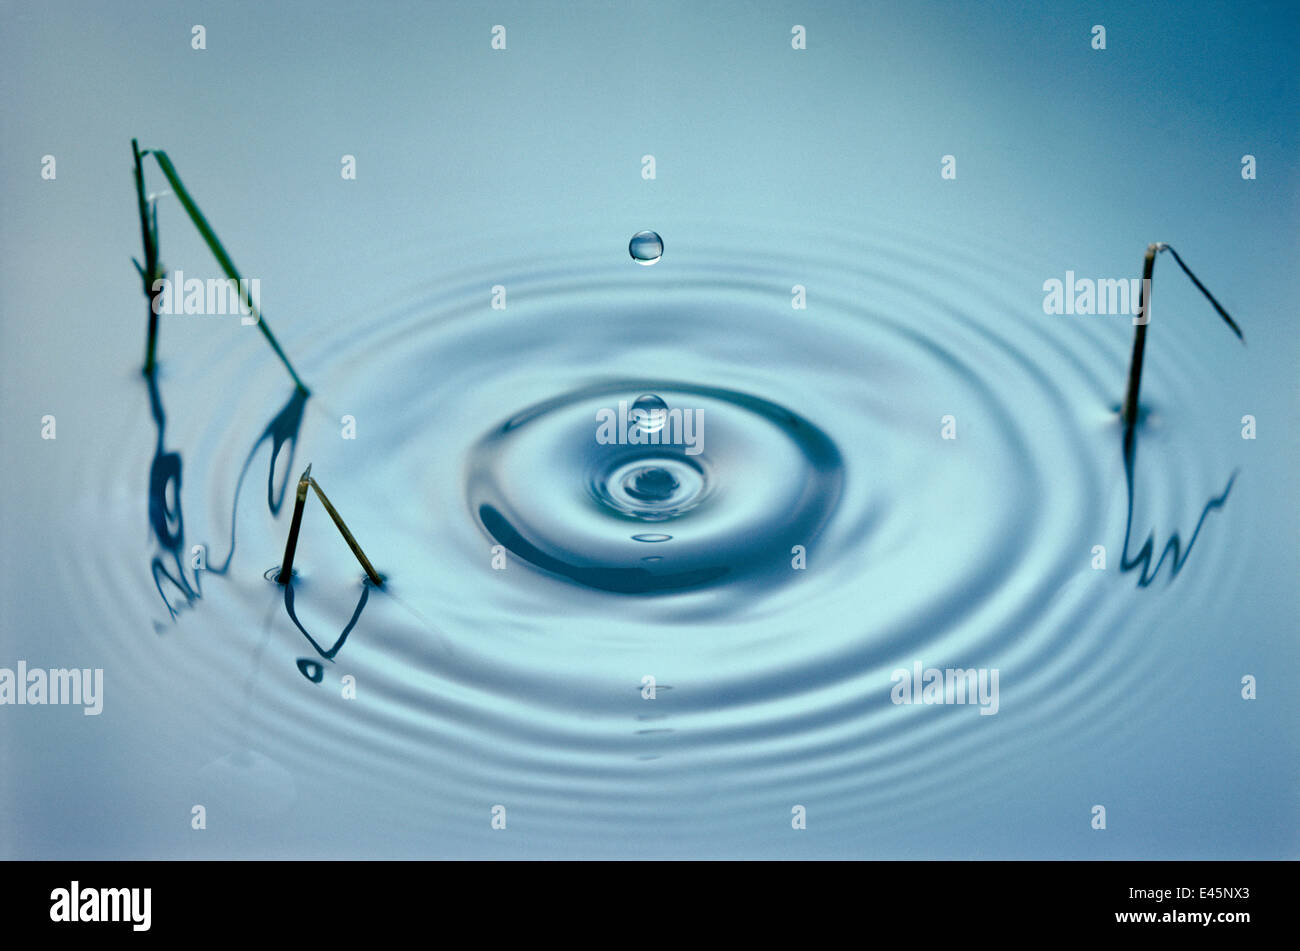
{"type": "Point", "coordinates": [1131, 409]}
{"type": "Point", "coordinates": [148, 273]}
{"type": "Point", "coordinates": [1139, 339]}
{"type": "Point", "coordinates": [227, 265]}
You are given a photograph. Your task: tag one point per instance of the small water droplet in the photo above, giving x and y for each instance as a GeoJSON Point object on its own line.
{"type": "Point", "coordinates": [651, 537]}
{"type": "Point", "coordinates": [646, 247]}
{"type": "Point", "coordinates": [649, 412]}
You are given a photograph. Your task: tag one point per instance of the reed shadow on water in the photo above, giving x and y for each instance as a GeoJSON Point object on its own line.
{"type": "Point", "coordinates": [164, 503]}
{"type": "Point", "coordinates": [1131, 415]}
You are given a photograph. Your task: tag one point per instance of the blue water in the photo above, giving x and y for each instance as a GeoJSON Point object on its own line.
{"type": "Point", "coordinates": [823, 533]}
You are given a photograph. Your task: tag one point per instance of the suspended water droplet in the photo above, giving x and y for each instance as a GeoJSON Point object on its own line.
{"type": "Point", "coordinates": [651, 537]}
{"type": "Point", "coordinates": [646, 247]}
{"type": "Point", "coordinates": [649, 412]}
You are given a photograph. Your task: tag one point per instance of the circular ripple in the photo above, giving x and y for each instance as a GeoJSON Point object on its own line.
{"type": "Point", "coordinates": [823, 430]}
{"type": "Point", "coordinates": [731, 489]}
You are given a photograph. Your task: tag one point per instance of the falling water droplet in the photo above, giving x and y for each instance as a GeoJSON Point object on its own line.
{"type": "Point", "coordinates": [646, 247]}
{"type": "Point", "coordinates": [649, 412]}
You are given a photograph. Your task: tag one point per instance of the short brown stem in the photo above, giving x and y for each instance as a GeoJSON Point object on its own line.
{"type": "Point", "coordinates": [347, 535]}
{"type": "Point", "coordinates": [291, 545]}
